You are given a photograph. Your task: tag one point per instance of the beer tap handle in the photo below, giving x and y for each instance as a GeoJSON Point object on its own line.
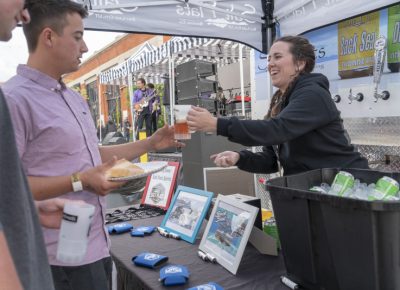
{"type": "Point", "coordinates": [358, 97]}
{"type": "Point", "coordinates": [385, 95]}
{"type": "Point", "coordinates": [351, 98]}
{"type": "Point", "coordinates": [379, 60]}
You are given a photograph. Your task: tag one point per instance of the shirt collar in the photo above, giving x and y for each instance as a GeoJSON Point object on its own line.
{"type": "Point", "coordinates": [40, 78]}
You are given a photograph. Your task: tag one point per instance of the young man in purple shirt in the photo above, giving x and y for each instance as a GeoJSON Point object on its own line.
{"type": "Point", "coordinates": [23, 261]}
{"type": "Point", "coordinates": [56, 137]}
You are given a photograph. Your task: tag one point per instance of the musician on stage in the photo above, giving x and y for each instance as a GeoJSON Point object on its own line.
{"type": "Point", "coordinates": [141, 106]}
{"type": "Point", "coordinates": [154, 106]}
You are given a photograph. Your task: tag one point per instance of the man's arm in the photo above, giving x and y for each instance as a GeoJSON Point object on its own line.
{"type": "Point", "coordinates": [161, 139]}
{"type": "Point", "coordinates": [93, 179]}
{"type": "Point", "coordinates": [8, 274]}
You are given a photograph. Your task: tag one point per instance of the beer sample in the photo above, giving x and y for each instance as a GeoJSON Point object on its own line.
{"type": "Point", "coordinates": [393, 56]}
{"type": "Point", "coordinates": [356, 41]}
{"type": "Point", "coordinates": [181, 130]}
{"type": "Point", "coordinates": [181, 127]}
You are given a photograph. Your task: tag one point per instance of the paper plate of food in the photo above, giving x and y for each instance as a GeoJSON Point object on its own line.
{"type": "Point", "coordinates": [125, 170]}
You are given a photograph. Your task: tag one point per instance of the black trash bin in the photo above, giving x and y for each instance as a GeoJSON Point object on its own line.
{"type": "Point", "coordinates": [336, 243]}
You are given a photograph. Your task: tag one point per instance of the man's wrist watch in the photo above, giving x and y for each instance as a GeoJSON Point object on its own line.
{"type": "Point", "coordinates": [76, 182]}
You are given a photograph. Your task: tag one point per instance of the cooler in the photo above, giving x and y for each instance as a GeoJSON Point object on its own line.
{"type": "Point", "coordinates": [336, 243]}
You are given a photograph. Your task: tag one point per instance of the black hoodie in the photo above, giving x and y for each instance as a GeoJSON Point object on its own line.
{"type": "Point", "coordinates": [308, 131]}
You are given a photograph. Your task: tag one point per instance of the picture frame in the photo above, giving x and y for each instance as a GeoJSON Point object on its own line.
{"type": "Point", "coordinates": [227, 231]}
{"type": "Point", "coordinates": [186, 212]}
{"type": "Point", "coordinates": [160, 187]}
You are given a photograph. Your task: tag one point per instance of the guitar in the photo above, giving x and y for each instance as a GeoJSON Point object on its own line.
{"type": "Point", "coordinates": [144, 102]}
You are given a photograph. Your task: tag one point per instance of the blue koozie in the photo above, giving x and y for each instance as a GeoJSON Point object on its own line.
{"type": "Point", "coordinates": [119, 228]}
{"type": "Point", "coordinates": [149, 260]}
{"type": "Point", "coordinates": [142, 231]}
{"type": "Point", "coordinates": [174, 275]}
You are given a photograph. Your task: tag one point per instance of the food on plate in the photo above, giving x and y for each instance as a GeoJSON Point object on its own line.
{"type": "Point", "coordinates": [124, 168]}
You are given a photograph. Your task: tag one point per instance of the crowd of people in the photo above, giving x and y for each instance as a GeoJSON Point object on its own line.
{"type": "Point", "coordinates": [48, 137]}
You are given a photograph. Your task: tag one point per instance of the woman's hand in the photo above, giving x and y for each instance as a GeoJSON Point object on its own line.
{"type": "Point", "coordinates": [225, 159]}
{"type": "Point", "coordinates": [199, 119]}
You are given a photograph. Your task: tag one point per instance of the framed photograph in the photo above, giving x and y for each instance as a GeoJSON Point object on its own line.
{"type": "Point", "coordinates": [160, 186]}
{"type": "Point", "coordinates": [187, 211]}
{"type": "Point", "coordinates": [228, 230]}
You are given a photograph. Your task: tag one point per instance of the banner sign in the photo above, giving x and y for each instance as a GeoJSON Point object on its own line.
{"type": "Point", "coordinates": [238, 20]}
{"type": "Point", "coordinates": [298, 16]}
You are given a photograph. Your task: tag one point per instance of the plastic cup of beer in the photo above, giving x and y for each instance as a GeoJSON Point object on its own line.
{"type": "Point", "coordinates": [181, 127]}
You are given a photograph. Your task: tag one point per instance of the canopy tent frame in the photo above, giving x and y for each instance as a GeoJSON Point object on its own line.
{"type": "Point", "coordinates": [167, 64]}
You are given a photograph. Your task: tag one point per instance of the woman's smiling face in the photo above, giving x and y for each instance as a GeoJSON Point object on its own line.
{"type": "Point", "coordinates": [281, 65]}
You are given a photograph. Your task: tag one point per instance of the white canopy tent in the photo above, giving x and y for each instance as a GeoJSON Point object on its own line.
{"type": "Point", "coordinates": [244, 21]}
{"type": "Point", "coordinates": [250, 21]}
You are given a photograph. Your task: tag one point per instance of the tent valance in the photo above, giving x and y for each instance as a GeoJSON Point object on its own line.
{"type": "Point", "coordinates": [153, 64]}
{"type": "Point", "coordinates": [148, 55]}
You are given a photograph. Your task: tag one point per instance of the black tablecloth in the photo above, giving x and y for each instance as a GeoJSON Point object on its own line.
{"type": "Point", "coordinates": [256, 271]}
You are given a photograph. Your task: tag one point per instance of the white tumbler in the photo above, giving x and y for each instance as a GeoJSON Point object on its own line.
{"type": "Point", "coordinates": [74, 232]}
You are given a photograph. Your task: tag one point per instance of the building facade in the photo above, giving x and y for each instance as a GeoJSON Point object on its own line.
{"type": "Point", "coordinates": [111, 100]}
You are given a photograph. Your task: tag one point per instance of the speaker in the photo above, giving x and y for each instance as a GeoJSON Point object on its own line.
{"type": "Point", "coordinates": [195, 69]}
{"type": "Point", "coordinates": [208, 104]}
{"type": "Point", "coordinates": [195, 88]}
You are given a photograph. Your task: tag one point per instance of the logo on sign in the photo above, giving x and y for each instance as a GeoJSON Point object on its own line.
{"type": "Point", "coordinates": [235, 16]}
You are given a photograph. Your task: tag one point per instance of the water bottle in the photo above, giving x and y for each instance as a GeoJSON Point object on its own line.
{"type": "Point", "coordinates": [74, 232]}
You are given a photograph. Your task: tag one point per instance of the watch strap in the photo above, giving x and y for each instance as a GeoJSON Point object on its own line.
{"type": "Point", "coordinates": [76, 182]}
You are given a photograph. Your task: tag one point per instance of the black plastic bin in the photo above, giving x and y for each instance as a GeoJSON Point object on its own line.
{"type": "Point", "coordinates": [336, 243]}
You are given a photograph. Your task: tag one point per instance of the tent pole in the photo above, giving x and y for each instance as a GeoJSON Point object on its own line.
{"type": "Point", "coordinates": [171, 91]}
{"type": "Point", "coordinates": [99, 100]}
{"type": "Point", "coordinates": [269, 21]}
{"type": "Point", "coordinates": [130, 91]}
{"type": "Point", "coordinates": [241, 76]}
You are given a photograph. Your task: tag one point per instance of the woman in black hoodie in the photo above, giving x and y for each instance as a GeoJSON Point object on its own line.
{"type": "Point", "coordinates": [303, 129]}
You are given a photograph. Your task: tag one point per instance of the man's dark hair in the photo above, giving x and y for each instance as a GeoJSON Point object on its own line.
{"type": "Point", "coordinates": [150, 86]}
{"type": "Point", "coordinates": [48, 13]}
{"type": "Point", "coordinates": [142, 80]}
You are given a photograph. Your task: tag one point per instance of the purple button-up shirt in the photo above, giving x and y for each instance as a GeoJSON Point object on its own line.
{"type": "Point", "coordinates": [56, 136]}
{"type": "Point", "coordinates": [139, 94]}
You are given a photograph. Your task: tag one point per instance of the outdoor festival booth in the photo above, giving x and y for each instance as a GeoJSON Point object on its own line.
{"type": "Point", "coordinates": [315, 231]}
